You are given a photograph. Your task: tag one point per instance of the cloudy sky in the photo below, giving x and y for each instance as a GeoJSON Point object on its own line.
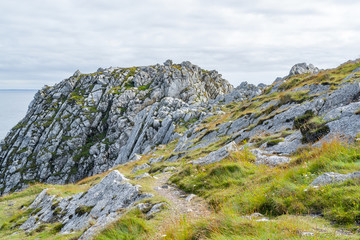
{"type": "Point", "coordinates": [43, 42]}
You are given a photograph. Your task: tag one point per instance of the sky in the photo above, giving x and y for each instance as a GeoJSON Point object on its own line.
{"type": "Point", "coordinates": [43, 42]}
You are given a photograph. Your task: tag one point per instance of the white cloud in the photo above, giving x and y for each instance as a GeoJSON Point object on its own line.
{"type": "Point", "coordinates": [42, 42]}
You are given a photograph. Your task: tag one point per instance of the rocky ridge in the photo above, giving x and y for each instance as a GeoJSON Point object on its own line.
{"type": "Point", "coordinates": [90, 122]}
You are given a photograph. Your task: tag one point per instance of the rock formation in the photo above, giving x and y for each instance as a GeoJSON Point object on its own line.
{"type": "Point", "coordinates": [90, 122]}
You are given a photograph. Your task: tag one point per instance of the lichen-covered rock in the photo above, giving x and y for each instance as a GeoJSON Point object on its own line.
{"type": "Point", "coordinates": [88, 123]}
{"type": "Point", "coordinates": [91, 210]}
{"type": "Point", "coordinates": [331, 178]}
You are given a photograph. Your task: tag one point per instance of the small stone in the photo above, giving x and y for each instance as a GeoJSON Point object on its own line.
{"type": "Point", "coordinates": [190, 197]}
{"type": "Point", "coordinates": [145, 175]}
{"type": "Point", "coordinates": [256, 215]}
{"type": "Point", "coordinates": [307, 234]}
{"type": "Point", "coordinates": [169, 169]}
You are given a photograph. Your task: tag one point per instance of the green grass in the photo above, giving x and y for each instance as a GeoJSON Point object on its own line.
{"type": "Point", "coordinates": [132, 226]}
{"type": "Point", "coordinates": [283, 190]}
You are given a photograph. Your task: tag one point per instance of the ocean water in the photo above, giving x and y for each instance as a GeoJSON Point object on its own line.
{"type": "Point", "coordinates": [13, 107]}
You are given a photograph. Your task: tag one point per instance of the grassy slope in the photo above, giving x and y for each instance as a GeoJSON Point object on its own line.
{"type": "Point", "coordinates": [233, 187]}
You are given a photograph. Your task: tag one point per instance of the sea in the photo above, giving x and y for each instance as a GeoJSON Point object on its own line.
{"type": "Point", "coordinates": [13, 107]}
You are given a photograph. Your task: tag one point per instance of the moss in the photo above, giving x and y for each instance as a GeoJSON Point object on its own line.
{"type": "Point", "coordinates": [301, 120]}
{"type": "Point", "coordinates": [144, 87]}
{"type": "Point", "coordinates": [129, 85]}
{"type": "Point", "coordinates": [293, 97]}
{"type": "Point", "coordinates": [57, 228]}
{"type": "Point", "coordinates": [311, 127]}
{"type": "Point", "coordinates": [274, 142]}
{"type": "Point", "coordinates": [81, 210]}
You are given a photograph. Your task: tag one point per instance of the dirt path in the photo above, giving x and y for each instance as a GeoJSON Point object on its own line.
{"type": "Point", "coordinates": [180, 202]}
{"type": "Point", "coordinates": [181, 205]}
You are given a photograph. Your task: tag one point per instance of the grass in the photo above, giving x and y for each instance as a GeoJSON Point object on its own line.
{"type": "Point", "coordinates": [248, 188]}
{"type": "Point", "coordinates": [133, 226]}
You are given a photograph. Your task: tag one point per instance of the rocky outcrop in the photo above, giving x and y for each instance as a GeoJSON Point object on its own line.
{"type": "Point", "coordinates": [332, 178]}
{"type": "Point", "coordinates": [92, 210]}
{"type": "Point", "coordinates": [90, 122]}
{"type": "Point", "coordinates": [244, 91]}
{"type": "Point", "coordinates": [302, 68]}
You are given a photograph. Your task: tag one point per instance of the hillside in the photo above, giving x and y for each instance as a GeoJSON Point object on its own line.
{"type": "Point", "coordinates": [175, 152]}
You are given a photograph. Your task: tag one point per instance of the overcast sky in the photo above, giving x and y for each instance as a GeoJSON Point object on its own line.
{"type": "Point", "coordinates": [43, 42]}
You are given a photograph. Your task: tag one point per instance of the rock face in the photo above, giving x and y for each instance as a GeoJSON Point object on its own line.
{"type": "Point", "coordinates": [89, 122]}
{"type": "Point", "coordinates": [91, 210]}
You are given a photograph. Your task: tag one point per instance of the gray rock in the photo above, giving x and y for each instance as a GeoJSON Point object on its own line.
{"type": "Point", "coordinates": [140, 167]}
{"type": "Point", "coordinates": [217, 155]}
{"type": "Point", "coordinates": [302, 68]}
{"type": "Point", "coordinates": [190, 197]}
{"type": "Point", "coordinates": [144, 175]}
{"type": "Point", "coordinates": [94, 209]}
{"type": "Point", "coordinates": [156, 209]}
{"type": "Point", "coordinates": [169, 169]}
{"type": "Point", "coordinates": [156, 160]}
{"type": "Point", "coordinates": [263, 157]}
{"type": "Point", "coordinates": [331, 178]}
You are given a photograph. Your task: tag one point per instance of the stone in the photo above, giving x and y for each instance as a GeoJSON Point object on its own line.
{"type": "Point", "coordinates": [140, 167]}
{"type": "Point", "coordinates": [217, 155]}
{"type": "Point", "coordinates": [332, 178]}
{"type": "Point", "coordinates": [263, 157]}
{"type": "Point", "coordinates": [302, 68]}
{"type": "Point", "coordinates": [156, 209]}
{"type": "Point", "coordinates": [167, 169]}
{"type": "Point", "coordinates": [190, 197]}
{"type": "Point", "coordinates": [144, 175]}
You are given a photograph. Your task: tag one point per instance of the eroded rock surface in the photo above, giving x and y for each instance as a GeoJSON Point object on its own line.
{"type": "Point", "coordinates": [91, 210]}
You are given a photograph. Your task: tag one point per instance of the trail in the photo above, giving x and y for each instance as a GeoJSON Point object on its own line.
{"type": "Point", "coordinates": [180, 206]}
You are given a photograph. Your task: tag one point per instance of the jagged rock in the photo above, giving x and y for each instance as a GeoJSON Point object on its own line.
{"type": "Point", "coordinates": [217, 155]}
{"type": "Point", "coordinates": [88, 123]}
{"type": "Point", "coordinates": [244, 91]}
{"type": "Point", "coordinates": [263, 157]}
{"type": "Point", "coordinates": [302, 68]}
{"type": "Point", "coordinates": [140, 167]}
{"type": "Point", "coordinates": [93, 209]}
{"type": "Point", "coordinates": [331, 178]}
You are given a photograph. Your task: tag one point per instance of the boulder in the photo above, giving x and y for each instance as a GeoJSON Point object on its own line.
{"type": "Point", "coordinates": [91, 210]}
{"type": "Point", "coordinates": [332, 178]}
